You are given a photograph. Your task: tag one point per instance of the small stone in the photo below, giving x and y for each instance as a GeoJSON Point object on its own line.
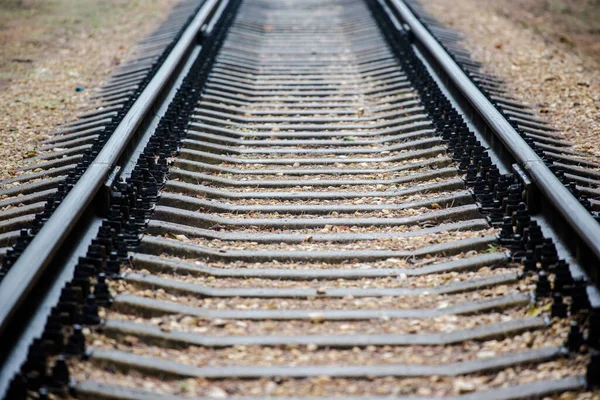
{"type": "Point", "coordinates": [188, 321]}
{"type": "Point", "coordinates": [486, 354]}
{"type": "Point", "coordinates": [182, 238]}
{"type": "Point", "coordinates": [316, 317]}
{"type": "Point", "coordinates": [402, 277]}
{"type": "Point", "coordinates": [461, 386]}
{"type": "Point", "coordinates": [270, 387]}
{"type": "Point", "coordinates": [216, 393]}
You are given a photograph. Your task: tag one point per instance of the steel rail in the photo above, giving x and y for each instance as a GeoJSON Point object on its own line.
{"type": "Point", "coordinates": [578, 218]}
{"type": "Point", "coordinates": [259, 36]}
{"type": "Point", "coordinates": [31, 264]}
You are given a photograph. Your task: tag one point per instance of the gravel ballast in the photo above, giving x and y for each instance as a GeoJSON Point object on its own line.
{"type": "Point", "coordinates": [563, 85]}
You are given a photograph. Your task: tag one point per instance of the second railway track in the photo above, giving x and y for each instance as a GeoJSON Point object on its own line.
{"type": "Point", "coordinates": [313, 218]}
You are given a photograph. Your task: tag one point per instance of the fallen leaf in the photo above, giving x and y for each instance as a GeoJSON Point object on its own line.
{"type": "Point", "coordinates": [535, 311]}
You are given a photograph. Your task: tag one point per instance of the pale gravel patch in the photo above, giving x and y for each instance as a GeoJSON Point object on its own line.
{"type": "Point", "coordinates": [564, 87]}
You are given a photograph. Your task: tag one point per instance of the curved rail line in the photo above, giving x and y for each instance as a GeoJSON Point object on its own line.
{"type": "Point", "coordinates": [304, 199]}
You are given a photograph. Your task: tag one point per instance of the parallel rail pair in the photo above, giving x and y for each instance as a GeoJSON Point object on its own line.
{"type": "Point", "coordinates": [315, 134]}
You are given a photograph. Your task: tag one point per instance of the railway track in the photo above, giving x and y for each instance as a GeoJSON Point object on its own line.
{"type": "Point", "coordinates": [302, 199]}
